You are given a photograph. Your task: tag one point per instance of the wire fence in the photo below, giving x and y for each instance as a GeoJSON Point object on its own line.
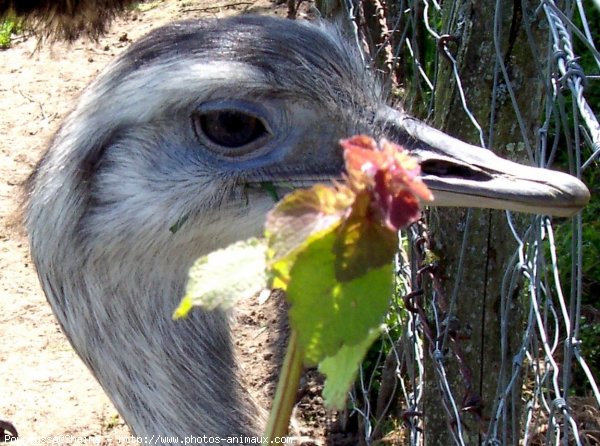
{"type": "Point", "coordinates": [535, 400]}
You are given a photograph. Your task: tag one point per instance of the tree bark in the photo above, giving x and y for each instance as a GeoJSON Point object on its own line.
{"type": "Point", "coordinates": [489, 243]}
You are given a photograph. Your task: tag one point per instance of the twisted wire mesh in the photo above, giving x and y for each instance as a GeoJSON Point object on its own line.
{"type": "Point", "coordinates": [539, 376]}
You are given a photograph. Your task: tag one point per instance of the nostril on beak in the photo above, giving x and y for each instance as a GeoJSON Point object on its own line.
{"type": "Point", "coordinates": [447, 169]}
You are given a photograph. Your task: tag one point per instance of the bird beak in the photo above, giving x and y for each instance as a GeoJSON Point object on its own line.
{"type": "Point", "coordinates": [463, 175]}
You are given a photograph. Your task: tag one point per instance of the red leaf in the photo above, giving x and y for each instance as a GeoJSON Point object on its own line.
{"type": "Point", "coordinates": [392, 176]}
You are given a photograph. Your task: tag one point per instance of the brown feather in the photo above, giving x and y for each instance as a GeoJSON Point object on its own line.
{"type": "Point", "coordinates": [65, 20]}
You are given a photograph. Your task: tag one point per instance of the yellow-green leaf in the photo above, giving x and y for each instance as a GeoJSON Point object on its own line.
{"type": "Point", "coordinates": [340, 370]}
{"type": "Point", "coordinates": [222, 277]}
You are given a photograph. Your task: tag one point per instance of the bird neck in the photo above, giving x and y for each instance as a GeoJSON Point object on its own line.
{"type": "Point", "coordinates": [165, 377]}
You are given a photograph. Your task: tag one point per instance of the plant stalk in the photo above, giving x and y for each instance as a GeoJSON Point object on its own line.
{"type": "Point", "coordinates": [287, 389]}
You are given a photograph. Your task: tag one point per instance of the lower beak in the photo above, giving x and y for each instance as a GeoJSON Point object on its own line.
{"type": "Point", "coordinates": [463, 175]}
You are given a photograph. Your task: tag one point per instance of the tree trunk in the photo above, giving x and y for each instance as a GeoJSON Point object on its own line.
{"type": "Point", "coordinates": [478, 317]}
{"type": "Point", "coordinates": [489, 244]}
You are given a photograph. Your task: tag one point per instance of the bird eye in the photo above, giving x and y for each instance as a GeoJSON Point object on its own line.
{"type": "Point", "coordinates": [231, 129]}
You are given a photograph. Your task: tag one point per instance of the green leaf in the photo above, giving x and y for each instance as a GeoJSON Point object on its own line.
{"type": "Point", "coordinates": [302, 214]}
{"type": "Point", "coordinates": [326, 313]}
{"type": "Point", "coordinates": [178, 224]}
{"type": "Point", "coordinates": [340, 370]}
{"type": "Point", "coordinates": [222, 277]}
{"type": "Point", "coordinates": [363, 242]}
{"type": "Point", "coordinates": [270, 189]}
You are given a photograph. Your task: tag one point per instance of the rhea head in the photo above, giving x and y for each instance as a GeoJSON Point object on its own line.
{"type": "Point", "coordinates": [180, 132]}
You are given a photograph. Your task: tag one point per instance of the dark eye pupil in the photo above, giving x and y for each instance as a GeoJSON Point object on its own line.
{"type": "Point", "coordinates": [231, 128]}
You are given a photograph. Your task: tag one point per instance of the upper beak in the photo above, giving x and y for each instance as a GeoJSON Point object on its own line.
{"type": "Point", "coordinates": [460, 174]}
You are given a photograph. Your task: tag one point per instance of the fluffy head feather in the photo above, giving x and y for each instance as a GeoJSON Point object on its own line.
{"type": "Point", "coordinates": [133, 159]}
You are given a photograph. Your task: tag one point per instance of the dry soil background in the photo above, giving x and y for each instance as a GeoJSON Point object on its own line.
{"type": "Point", "coordinates": [45, 391]}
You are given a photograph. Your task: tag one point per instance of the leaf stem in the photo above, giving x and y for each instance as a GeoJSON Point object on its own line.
{"type": "Point", "coordinates": [287, 389]}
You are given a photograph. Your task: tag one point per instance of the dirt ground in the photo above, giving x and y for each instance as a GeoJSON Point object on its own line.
{"type": "Point", "coordinates": [45, 390]}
